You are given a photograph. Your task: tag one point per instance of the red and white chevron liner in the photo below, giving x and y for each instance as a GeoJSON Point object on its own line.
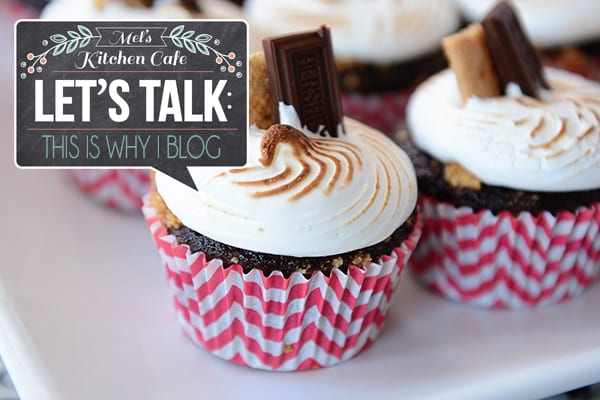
{"type": "Point", "coordinates": [121, 189]}
{"type": "Point", "coordinates": [503, 261]}
{"type": "Point", "coordinates": [384, 111]}
{"type": "Point", "coordinates": [275, 323]}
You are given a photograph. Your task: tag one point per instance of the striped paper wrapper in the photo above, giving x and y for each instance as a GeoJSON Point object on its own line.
{"type": "Point", "coordinates": [120, 189]}
{"type": "Point", "coordinates": [504, 261]}
{"type": "Point", "coordinates": [277, 323]}
{"type": "Point", "coordinates": [383, 111]}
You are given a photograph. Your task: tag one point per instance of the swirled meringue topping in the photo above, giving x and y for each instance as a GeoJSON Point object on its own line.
{"type": "Point", "coordinates": [514, 141]}
{"type": "Point", "coordinates": [300, 194]}
{"type": "Point", "coordinates": [547, 22]}
{"type": "Point", "coordinates": [375, 30]}
{"type": "Point", "coordinates": [89, 9]}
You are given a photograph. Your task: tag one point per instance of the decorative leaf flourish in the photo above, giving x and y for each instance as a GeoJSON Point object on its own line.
{"type": "Point", "coordinates": [84, 31]}
{"type": "Point", "coordinates": [58, 38]}
{"type": "Point", "coordinates": [59, 49]}
{"type": "Point", "coordinates": [74, 34]}
{"type": "Point", "coordinates": [203, 38]}
{"type": "Point", "coordinates": [68, 43]}
{"type": "Point", "coordinates": [72, 46]}
{"type": "Point", "coordinates": [177, 31]}
{"type": "Point", "coordinates": [184, 39]}
{"type": "Point", "coordinates": [189, 45]}
{"type": "Point", "coordinates": [202, 48]}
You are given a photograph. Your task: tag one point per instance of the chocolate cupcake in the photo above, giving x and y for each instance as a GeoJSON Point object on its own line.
{"type": "Point", "coordinates": [566, 30]}
{"type": "Point", "coordinates": [509, 182]}
{"type": "Point", "coordinates": [383, 48]}
{"type": "Point", "coordinates": [290, 262]}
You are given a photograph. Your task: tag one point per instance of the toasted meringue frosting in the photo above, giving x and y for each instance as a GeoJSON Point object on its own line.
{"type": "Point", "coordinates": [514, 141]}
{"type": "Point", "coordinates": [375, 30]}
{"type": "Point", "coordinates": [547, 22]}
{"type": "Point", "coordinates": [300, 194]}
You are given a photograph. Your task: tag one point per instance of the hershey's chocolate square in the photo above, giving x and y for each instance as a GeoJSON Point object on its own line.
{"type": "Point", "coordinates": [302, 74]}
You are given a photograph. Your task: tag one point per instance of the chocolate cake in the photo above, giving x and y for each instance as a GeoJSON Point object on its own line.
{"type": "Point", "coordinates": [268, 263]}
{"type": "Point", "coordinates": [430, 175]}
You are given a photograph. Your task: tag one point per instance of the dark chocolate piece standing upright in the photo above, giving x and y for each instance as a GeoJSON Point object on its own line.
{"type": "Point", "coordinates": [302, 73]}
{"type": "Point", "coordinates": [515, 58]}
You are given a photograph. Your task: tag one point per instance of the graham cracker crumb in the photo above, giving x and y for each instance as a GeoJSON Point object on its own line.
{"type": "Point", "coordinates": [337, 262]}
{"type": "Point", "coordinates": [361, 260]}
{"type": "Point", "coordinates": [288, 348]}
{"type": "Point", "coordinates": [166, 217]}
{"type": "Point", "coordinates": [303, 270]}
{"type": "Point", "coordinates": [457, 176]}
{"type": "Point", "coordinates": [234, 260]}
{"type": "Point", "coordinates": [261, 108]}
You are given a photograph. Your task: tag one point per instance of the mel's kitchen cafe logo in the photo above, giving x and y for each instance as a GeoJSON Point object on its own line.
{"type": "Point", "coordinates": [166, 94]}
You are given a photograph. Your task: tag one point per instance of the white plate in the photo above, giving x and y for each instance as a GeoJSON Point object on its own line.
{"type": "Point", "coordinates": [85, 314]}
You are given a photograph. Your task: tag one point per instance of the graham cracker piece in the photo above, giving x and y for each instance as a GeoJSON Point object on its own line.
{"type": "Point", "coordinates": [261, 106]}
{"type": "Point", "coordinates": [470, 59]}
{"type": "Point", "coordinates": [457, 176]}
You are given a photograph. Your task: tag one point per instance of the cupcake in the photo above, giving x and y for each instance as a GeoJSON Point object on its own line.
{"type": "Point", "coordinates": [566, 30]}
{"type": "Point", "coordinates": [382, 47]}
{"type": "Point", "coordinates": [509, 183]}
{"type": "Point", "coordinates": [290, 262]}
{"type": "Point", "coordinates": [120, 189]}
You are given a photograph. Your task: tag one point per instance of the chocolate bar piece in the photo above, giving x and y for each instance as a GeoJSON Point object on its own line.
{"type": "Point", "coordinates": [302, 74]}
{"type": "Point", "coordinates": [514, 56]}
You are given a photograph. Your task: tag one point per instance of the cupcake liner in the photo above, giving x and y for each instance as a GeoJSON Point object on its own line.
{"type": "Point", "coordinates": [383, 111]}
{"type": "Point", "coordinates": [120, 189]}
{"type": "Point", "coordinates": [504, 261]}
{"type": "Point", "coordinates": [278, 323]}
